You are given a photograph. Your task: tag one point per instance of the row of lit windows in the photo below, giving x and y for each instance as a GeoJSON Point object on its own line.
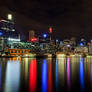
{"type": "Point", "coordinates": [18, 51]}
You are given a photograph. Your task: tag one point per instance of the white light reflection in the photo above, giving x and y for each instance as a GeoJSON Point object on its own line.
{"type": "Point", "coordinates": [12, 79]}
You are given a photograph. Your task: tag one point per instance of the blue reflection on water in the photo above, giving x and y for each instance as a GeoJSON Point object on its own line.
{"type": "Point", "coordinates": [12, 76]}
{"type": "Point", "coordinates": [81, 74]}
{"type": "Point", "coordinates": [56, 75]}
{"type": "Point", "coordinates": [0, 78]}
{"type": "Point", "coordinates": [44, 76]}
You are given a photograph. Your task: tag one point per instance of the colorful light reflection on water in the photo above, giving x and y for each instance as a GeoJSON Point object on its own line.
{"type": "Point", "coordinates": [56, 75]}
{"type": "Point", "coordinates": [12, 78]}
{"type": "Point", "coordinates": [46, 75]}
{"type": "Point", "coordinates": [68, 74]}
{"type": "Point", "coordinates": [50, 78]}
{"type": "Point", "coordinates": [33, 76]}
{"type": "Point", "coordinates": [81, 74]}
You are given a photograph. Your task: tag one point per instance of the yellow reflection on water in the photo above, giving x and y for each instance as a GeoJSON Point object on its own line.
{"type": "Point", "coordinates": [88, 69]}
{"type": "Point", "coordinates": [74, 67]}
{"type": "Point", "coordinates": [15, 59]}
{"type": "Point", "coordinates": [26, 68]}
{"type": "Point", "coordinates": [61, 68]}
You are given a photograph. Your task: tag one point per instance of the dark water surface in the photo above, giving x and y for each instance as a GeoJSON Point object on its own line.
{"type": "Point", "coordinates": [46, 75]}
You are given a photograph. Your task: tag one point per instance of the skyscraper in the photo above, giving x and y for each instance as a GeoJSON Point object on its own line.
{"type": "Point", "coordinates": [7, 26]}
{"type": "Point", "coordinates": [31, 34]}
{"type": "Point", "coordinates": [90, 48]}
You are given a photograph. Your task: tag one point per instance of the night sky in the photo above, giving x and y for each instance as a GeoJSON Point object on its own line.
{"type": "Point", "coordinates": [69, 18]}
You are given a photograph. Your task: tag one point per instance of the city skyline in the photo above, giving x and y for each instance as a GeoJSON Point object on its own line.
{"type": "Point", "coordinates": [45, 46]}
{"type": "Point", "coordinates": [70, 18]}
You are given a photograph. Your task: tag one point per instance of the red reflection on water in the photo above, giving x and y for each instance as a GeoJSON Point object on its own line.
{"type": "Point", "coordinates": [88, 72]}
{"type": "Point", "coordinates": [33, 76]}
{"type": "Point", "coordinates": [68, 73]}
{"type": "Point", "coordinates": [50, 78]}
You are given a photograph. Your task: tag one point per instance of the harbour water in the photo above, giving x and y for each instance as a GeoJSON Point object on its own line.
{"type": "Point", "coordinates": [61, 74]}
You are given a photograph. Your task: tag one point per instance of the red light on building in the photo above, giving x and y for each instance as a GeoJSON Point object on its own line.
{"type": "Point", "coordinates": [50, 30]}
{"type": "Point", "coordinates": [33, 39]}
{"type": "Point", "coordinates": [50, 78]}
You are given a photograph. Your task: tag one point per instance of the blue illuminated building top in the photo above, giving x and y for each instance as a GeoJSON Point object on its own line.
{"type": "Point", "coordinates": [1, 33]}
{"type": "Point", "coordinates": [45, 35]}
{"type": "Point", "coordinates": [81, 44]}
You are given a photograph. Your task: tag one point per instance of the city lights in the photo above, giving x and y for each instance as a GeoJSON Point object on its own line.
{"type": "Point", "coordinates": [57, 40]}
{"type": "Point", "coordinates": [68, 45]}
{"type": "Point", "coordinates": [46, 46]}
{"type": "Point", "coordinates": [81, 44]}
{"type": "Point", "coordinates": [13, 39]}
{"type": "Point", "coordinates": [13, 30]}
{"type": "Point", "coordinates": [9, 16]}
{"type": "Point", "coordinates": [45, 35]}
{"type": "Point", "coordinates": [50, 30]}
{"type": "Point", "coordinates": [34, 39]}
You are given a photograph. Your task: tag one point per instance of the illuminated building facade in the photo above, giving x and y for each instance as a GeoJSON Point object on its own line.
{"type": "Point", "coordinates": [31, 34]}
{"type": "Point", "coordinates": [2, 44]}
{"type": "Point", "coordinates": [7, 25]}
{"type": "Point", "coordinates": [90, 48]}
{"type": "Point", "coordinates": [82, 49]}
{"type": "Point", "coordinates": [7, 30]}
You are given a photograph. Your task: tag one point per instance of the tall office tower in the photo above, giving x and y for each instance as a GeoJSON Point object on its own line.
{"type": "Point", "coordinates": [7, 26]}
{"type": "Point", "coordinates": [90, 50]}
{"type": "Point", "coordinates": [31, 34]}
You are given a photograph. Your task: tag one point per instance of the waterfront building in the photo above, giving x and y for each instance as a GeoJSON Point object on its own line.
{"type": "Point", "coordinates": [17, 52]}
{"type": "Point", "coordinates": [7, 31]}
{"type": "Point", "coordinates": [32, 38]}
{"type": "Point", "coordinates": [51, 47]}
{"type": "Point", "coordinates": [81, 49]}
{"type": "Point", "coordinates": [66, 46]}
{"type": "Point", "coordinates": [2, 44]}
{"type": "Point", "coordinates": [83, 42]}
{"type": "Point", "coordinates": [73, 42]}
{"type": "Point", "coordinates": [60, 43]}
{"type": "Point", "coordinates": [16, 47]}
{"type": "Point", "coordinates": [90, 47]}
{"type": "Point", "coordinates": [44, 38]}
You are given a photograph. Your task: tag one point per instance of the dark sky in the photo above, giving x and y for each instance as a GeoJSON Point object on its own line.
{"type": "Point", "coordinates": [67, 17]}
